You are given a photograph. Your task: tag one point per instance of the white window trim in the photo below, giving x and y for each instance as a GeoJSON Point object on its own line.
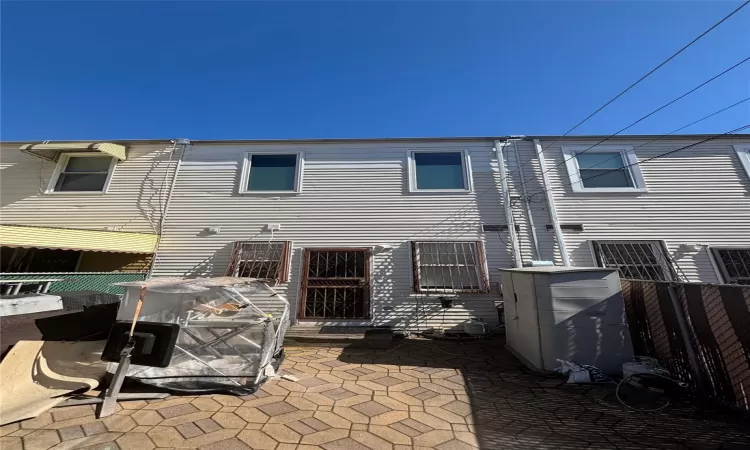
{"type": "Point", "coordinates": [298, 173]}
{"type": "Point", "coordinates": [465, 161]}
{"type": "Point", "coordinates": [628, 156]}
{"type": "Point", "coordinates": [62, 162]}
{"type": "Point", "coordinates": [743, 153]}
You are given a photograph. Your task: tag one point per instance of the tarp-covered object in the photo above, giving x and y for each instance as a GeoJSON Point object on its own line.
{"type": "Point", "coordinates": [226, 341]}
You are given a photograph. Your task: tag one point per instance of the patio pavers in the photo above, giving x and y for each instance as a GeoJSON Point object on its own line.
{"type": "Point", "coordinates": [419, 395]}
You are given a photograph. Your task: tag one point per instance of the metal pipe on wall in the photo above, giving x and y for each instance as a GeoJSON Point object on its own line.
{"type": "Point", "coordinates": [551, 205]}
{"type": "Point", "coordinates": [527, 204]}
{"type": "Point", "coordinates": [515, 248]}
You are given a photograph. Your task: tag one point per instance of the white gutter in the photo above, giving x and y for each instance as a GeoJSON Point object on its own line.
{"type": "Point", "coordinates": [527, 204]}
{"type": "Point", "coordinates": [551, 205]}
{"type": "Point", "coordinates": [515, 247]}
{"type": "Point", "coordinates": [165, 210]}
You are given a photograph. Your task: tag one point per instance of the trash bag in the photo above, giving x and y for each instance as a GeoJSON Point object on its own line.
{"type": "Point", "coordinates": [581, 373]}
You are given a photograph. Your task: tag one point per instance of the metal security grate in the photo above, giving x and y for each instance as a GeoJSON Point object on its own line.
{"type": "Point", "coordinates": [336, 284]}
{"type": "Point", "coordinates": [734, 264]}
{"type": "Point", "coordinates": [263, 260]}
{"type": "Point", "coordinates": [449, 266]}
{"type": "Point", "coordinates": [636, 260]}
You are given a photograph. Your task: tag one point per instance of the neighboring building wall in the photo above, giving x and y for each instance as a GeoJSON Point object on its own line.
{"type": "Point", "coordinates": [354, 195]}
{"type": "Point", "coordinates": [699, 195]}
{"type": "Point", "coordinates": [132, 202]}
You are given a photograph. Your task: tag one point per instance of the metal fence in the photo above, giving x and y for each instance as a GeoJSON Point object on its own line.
{"type": "Point", "coordinates": [81, 281]}
{"type": "Point", "coordinates": [700, 332]}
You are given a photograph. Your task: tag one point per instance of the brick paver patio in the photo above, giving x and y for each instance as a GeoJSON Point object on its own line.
{"type": "Point", "coordinates": [419, 395]}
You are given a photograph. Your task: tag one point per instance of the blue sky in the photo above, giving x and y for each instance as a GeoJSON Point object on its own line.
{"type": "Point", "coordinates": [245, 70]}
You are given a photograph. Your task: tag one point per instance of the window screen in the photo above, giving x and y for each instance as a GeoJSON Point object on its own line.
{"type": "Point", "coordinates": [448, 266]}
{"type": "Point", "coordinates": [603, 170]}
{"type": "Point", "coordinates": [272, 173]}
{"type": "Point", "coordinates": [264, 260]}
{"type": "Point", "coordinates": [734, 264]}
{"type": "Point", "coordinates": [84, 174]}
{"type": "Point", "coordinates": [440, 170]}
{"type": "Point", "coordinates": [638, 260]}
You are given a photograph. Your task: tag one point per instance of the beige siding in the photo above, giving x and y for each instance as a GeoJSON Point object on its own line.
{"type": "Point", "coordinates": [699, 195]}
{"type": "Point", "coordinates": [131, 203]}
{"type": "Point", "coordinates": [354, 195]}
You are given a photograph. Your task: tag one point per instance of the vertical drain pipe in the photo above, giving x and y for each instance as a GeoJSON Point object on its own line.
{"type": "Point", "coordinates": [527, 204]}
{"type": "Point", "coordinates": [506, 205]}
{"type": "Point", "coordinates": [551, 205]}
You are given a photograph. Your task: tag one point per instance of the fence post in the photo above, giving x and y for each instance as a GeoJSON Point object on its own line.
{"type": "Point", "coordinates": [688, 341]}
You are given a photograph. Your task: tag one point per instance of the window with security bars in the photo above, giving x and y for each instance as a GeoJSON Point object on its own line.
{"type": "Point", "coordinates": [449, 266]}
{"type": "Point", "coordinates": [637, 260]}
{"type": "Point", "coordinates": [734, 264]}
{"type": "Point", "coordinates": [263, 260]}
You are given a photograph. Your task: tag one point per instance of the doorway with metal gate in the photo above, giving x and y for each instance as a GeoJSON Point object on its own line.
{"type": "Point", "coordinates": [335, 284]}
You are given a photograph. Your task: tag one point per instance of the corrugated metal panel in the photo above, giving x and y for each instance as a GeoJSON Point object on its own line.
{"type": "Point", "coordinates": [354, 195]}
{"type": "Point", "coordinates": [51, 151]}
{"type": "Point", "coordinates": [695, 196]}
{"type": "Point", "coordinates": [72, 239]}
{"type": "Point", "coordinates": [133, 203]}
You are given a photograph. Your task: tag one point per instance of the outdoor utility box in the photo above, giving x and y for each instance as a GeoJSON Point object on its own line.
{"type": "Point", "coordinates": [574, 314]}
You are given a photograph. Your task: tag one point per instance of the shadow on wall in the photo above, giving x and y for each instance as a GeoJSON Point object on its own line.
{"type": "Point", "coordinates": [214, 265]}
{"type": "Point", "coordinates": [13, 179]}
{"type": "Point", "coordinates": [479, 384]}
{"type": "Point", "coordinates": [152, 193]}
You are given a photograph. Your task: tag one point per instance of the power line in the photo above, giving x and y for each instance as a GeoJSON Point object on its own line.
{"type": "Point", "coordinates": [521, 166]}
{"type": "Point", "coordinates": [714, 26]}
{"type": "Point", "coordinates": [494, 185]}
{"type": "Point", "coordinates": [661, 155]}
{"type": "Point", "coordinates": [658, 138]}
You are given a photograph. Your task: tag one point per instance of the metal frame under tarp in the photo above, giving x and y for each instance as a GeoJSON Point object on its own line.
{"type": "Point", "coordinates": [231, 331]}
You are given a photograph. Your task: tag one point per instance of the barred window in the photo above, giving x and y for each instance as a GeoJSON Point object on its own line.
{"type": "Point", "coordinates": [449, 266]}
{"type": "Point", "coordinates": [264, 260]}
{"type": "Point", "coordinates": [734, 264]}
{"type": "Point", "coordinates": [638, 260]}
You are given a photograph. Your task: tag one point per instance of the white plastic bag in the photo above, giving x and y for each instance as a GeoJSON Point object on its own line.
{"type": "Point", "coordinates": [581, 373]}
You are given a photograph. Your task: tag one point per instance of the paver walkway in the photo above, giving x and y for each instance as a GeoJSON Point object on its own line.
{"type": "Point", "coordinates": [420, 394]}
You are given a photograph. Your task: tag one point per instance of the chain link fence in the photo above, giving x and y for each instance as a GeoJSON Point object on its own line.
{"type": "Point", "coordinates": [714, 357]}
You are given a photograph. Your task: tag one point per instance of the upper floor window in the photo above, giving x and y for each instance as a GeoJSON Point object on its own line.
{"type": "Point", "coordinates": [734, 264]}
{"type": "Point", "coordinates": [743, 152]}
{"type": "Point", "coordinates": [439, 171]}
{"type": "Point", "coordinates": [82, 173]}
{"type": "Point", "coordinates": [272, 173]}
{"type": "Point", "coordinates": [638, 260]}
{"type": "Point", "coordinates": [603, 169]}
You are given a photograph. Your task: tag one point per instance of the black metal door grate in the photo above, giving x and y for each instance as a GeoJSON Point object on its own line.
{"type": "Point", "coordinates": [336, 284]}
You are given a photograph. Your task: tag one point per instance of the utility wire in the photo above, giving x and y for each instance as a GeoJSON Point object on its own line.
{"type": "Point", "coordinates": [714, 26]}
{"type": "Point", "coordinates": [494, 185]}
{"type": "Point", "coordinates": [521, 166]}
{"type": "Point", "coordinates": [661, 155]}
{"type": "Point", "coordinates": [617, 155]}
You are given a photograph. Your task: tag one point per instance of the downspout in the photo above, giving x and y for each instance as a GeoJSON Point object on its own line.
{"type": "Point", "coordinates": [515, 247]}
{"type": "Point", "coordinates": [527, 204]}
{"type": "Point", "coordinates": [551, 205]}
{"type": "Point", "coordinates": [165, 210]}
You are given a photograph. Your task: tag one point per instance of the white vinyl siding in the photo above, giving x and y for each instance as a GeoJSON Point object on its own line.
{"type": "Point", "coordinates": [355, 195]}
{"type": "Point", "coordinates": [134, 201]}
{"type": "Point", "coordinates": [696, 197]}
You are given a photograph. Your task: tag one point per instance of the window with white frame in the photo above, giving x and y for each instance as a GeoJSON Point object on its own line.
{"type": "Point", "coordinates": [603, 169]}
{"type": "Point", "coordinates": [734, 264]}
{"type": "Point", "coordinates": [439, 171]}
{"type": "Point", "coordinates": [637, 260]}
{"type": "Point", "coordinates": [267, 173]}
{"type": "Point", "coordinates": [263, 260]}
{"type": "Point", "coordinates": [82, 173]}
{"type": "Point", "coordinates": [743, 153]}
{"type": "Point", "coordinates": [455, 266]}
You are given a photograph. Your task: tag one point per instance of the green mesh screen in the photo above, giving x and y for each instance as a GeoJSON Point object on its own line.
{"type": "Point", "coordinates": [81, 281]}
